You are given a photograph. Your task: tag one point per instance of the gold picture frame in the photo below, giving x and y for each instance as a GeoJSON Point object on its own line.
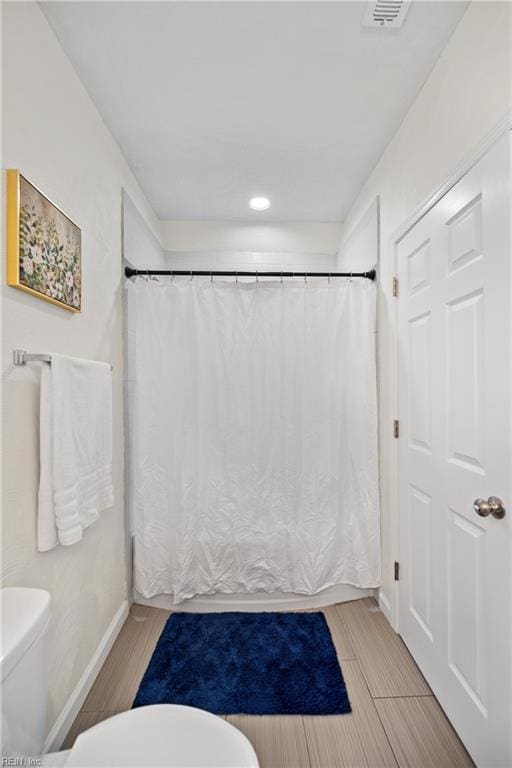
{"type": "Point", "coordinates": [44, 246]}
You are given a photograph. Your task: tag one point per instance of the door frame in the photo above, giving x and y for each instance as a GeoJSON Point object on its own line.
{"type": "Point", "coordinates": [389, 603]}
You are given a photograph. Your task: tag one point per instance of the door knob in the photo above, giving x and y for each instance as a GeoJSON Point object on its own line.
{"type": "Point", "coordinates": [493, 506]}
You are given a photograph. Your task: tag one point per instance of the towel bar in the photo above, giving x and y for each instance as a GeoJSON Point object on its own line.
{"type": "Point", "coordinates": [22, 357]}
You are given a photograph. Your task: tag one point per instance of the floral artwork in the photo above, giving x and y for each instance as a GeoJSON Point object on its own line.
{"type": "Point", "coordinates": [48, 249]}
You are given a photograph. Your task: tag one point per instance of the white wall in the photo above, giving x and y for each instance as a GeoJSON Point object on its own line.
{"type": "Point", "coordinates": [54, 135]}
{"type": "Point", "coordinates": [286, 237]}
{"type": "Point", "coordinates": [360, 250]}
{"type": "Point", "coordinates": [141, 246]}
{"type": "Point", "coordinates": [464, 98]}
{"type": "Point", "coordinates": [251, 261]}
{"type": "Point", "coordinates": [232, 245]}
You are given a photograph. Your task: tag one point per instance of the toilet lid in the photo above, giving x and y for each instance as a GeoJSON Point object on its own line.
{"type": "Point", "coordinates": [165, 735]}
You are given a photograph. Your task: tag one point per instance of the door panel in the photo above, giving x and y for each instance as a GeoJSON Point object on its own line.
{"type": "Point", "coordinates": [420, 331]}
{"type": "Point", "coordinates": [454, 352]}
{"type": "Point", "coordinates": [465, 235]}
{"type": "Point", "coordinates": [466, 563]}
{"type": "Point", "coordinates": [464, 381]}
{"type": "Point", "coordinates": [418, 264]}
{"type": "Point", "coordinates": [420, 505]}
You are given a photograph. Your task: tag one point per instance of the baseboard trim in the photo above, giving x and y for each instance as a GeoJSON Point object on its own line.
{"type": "Point", "coordinates": [385, 606]}
{"type": "Point", "coordinates": [73, 705]}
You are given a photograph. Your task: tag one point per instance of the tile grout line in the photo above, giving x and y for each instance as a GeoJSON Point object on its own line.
{"type": "Point", "coordinates": [372, 698]}
{"type": "Point", "coordinates": [306, 741]}
{"type": "Point", "coordinates": [387, 735]}
{"type": "Point", "coordinates": [379, 717]}
{"type": "Point", "coordinates": [354, 648]}
{"type": "Point", "coordinates": [448, 721]}
{"type": "Point", "coordinates": [354, 645]}
{"type": "Point", "coordinates": [405, 696]}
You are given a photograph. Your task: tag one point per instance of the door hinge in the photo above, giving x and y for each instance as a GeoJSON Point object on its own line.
{"type": "Point", "coordinates": [396, 428]}
{"type": "Point", "coordinates": [395, 286]}
{"type": "Point", "coordinates": [397, 570]}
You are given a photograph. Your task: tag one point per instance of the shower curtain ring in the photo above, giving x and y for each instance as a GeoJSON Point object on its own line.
{"type": "Point", "coordinates": [329, 278]}
{"type": "Point", "coordinates": [281, 278]}
{"type": "Point", "coordinates": [236, 278]}
{"type": "Point", "coordinates": [305, 277]}
{"type": "Point", "coordinates": [257, 278]}
{"type": "Point", "coordinates": [191, 276]}
{"type": "Point", "coordinates": [211, 277]}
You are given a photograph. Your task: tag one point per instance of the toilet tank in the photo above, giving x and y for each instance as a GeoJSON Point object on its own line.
{"type": "Point", "coordinates": [25, 617]}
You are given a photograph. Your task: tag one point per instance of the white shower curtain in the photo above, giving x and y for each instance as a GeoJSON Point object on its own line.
{"type": "Point", "coordinates": [255, 463]}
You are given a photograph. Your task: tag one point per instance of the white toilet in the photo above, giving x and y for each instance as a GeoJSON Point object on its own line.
{"type": "Point", "coordinates": [160, 735]}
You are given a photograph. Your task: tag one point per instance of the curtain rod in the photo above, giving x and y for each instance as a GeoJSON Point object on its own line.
{"type": "Point", "coordinates": [130, 272]}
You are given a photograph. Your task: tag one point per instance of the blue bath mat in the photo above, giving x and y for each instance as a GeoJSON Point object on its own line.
{"type": "Point", "coordinates": [246, 663]}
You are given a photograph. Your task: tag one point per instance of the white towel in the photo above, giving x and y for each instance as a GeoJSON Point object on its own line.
{"type": "Point", "coordinates": [75, 449]}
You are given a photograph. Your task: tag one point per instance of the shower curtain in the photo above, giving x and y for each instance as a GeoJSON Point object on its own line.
{"type": "Point", "coordinates": [255, 432]}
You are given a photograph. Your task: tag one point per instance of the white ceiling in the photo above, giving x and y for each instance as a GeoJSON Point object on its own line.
{"type": "Point", "coordinates": [214, 102]}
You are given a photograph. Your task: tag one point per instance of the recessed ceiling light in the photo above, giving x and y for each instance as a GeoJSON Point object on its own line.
{"type": "Point", "coordinates": [259, 203]}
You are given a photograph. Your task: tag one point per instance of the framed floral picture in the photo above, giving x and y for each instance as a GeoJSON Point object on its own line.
{"type": "Point", "coordinates": [44, 247]}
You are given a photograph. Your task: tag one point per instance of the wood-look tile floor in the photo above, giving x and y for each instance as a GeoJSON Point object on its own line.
{"type": "Point", "coordinates": [395, 719]}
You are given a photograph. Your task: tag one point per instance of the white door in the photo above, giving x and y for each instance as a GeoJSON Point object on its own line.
{"type": "Point", "coordinates": [454, 335]}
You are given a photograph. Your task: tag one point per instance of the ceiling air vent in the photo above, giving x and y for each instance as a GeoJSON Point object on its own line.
{"type": "Point", "coordinates": [386, 14]}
